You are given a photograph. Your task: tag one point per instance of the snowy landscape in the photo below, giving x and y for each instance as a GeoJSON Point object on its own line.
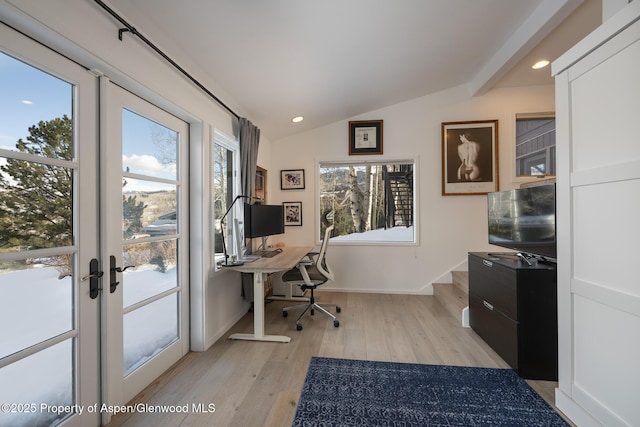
{"type": "Point", "coordinates": [37, 305]}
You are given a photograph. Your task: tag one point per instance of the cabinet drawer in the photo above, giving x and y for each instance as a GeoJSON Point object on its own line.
{"type": "Point", "coordinates": [494, 283]}
{"type": "Point", "coordinates": [497, 330]}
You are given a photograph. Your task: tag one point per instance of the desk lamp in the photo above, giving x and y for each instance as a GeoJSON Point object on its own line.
{"type": "Point", "coordinates": [226, 262]}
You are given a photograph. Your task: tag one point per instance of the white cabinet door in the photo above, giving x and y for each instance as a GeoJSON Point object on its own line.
{"type": "Point", "coordinates": [598, 182]}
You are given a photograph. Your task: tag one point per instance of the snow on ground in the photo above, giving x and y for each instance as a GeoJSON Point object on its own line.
{"type": "Point", "coordinates": [35, 305]}
{"type": "Point", "coordinates": [395, 234]}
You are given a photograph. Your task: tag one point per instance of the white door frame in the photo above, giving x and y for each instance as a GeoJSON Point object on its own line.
{"type": "Point", "coordinates": [117, 390]}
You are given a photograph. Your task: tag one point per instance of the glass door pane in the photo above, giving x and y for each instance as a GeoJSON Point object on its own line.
{"type": "Point", "coordinates": [150, 194]}
{"type": "Point", "coordinates": [36, 287]}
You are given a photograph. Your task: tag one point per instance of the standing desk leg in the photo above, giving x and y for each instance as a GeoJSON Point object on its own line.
{"type": "Point", "coordinates": [258, 315]}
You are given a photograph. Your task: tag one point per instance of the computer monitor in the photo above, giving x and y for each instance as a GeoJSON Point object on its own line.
{"type": "Point", "coordinates": [263, 220]}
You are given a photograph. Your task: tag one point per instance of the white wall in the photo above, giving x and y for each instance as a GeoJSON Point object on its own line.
{"type": "Point", "coordinates": [449, 227]}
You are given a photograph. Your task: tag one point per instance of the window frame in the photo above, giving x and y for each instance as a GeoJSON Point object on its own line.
{"type": "Point", "coordinates": [520, 179]}
{"type": "Point", "coordinates": [414, 160]}
{"type": "Point", "coordinates": [231, 144]}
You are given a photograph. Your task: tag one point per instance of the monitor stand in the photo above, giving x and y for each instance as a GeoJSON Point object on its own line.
{"type": "Point", "coordinates": [243, 256]}
{"type": "Point", "coordinates": [263, 246]}
{"type": "Point", "coordinates": [264, 252]}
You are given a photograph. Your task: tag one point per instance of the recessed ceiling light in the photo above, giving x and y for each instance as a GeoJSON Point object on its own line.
{"type": "Point", "coordinates": [297, 119]}
{"type": "Point", "coordinates": [540, 64]}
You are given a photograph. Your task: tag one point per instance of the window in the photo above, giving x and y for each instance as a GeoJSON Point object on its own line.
{"type": "Point", "coordinates": [535, 144]}
{"type": "Point", "coordinates": [224, 187]}
{"type": "Point", "coordinates": [368, 202]}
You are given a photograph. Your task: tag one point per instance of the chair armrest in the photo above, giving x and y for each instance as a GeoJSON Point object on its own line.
{"type": "Point", "coordinates": [304, 273]}
{"type": "Point", "coordinates": [312, 255]}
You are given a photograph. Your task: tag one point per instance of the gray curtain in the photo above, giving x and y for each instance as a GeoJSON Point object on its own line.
{"type": "Point", "coordinates": [249, 141]}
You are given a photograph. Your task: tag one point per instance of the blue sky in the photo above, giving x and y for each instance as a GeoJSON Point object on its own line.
{"type": "Point", "coordinates": [28, 95]}
{"type": "Point", "coordinates": [139, 151]}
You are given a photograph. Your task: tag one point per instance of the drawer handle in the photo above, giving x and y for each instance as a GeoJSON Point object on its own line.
{"type": "Point", "coordinates": [486, 304]}
{"type": "Point", "coordinates": [487, 263]}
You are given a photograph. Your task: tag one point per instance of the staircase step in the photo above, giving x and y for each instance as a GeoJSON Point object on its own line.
{"type": "Point", "coordinates": [453, 298]}
{"type": "Point", "coordinates": [461, 280]}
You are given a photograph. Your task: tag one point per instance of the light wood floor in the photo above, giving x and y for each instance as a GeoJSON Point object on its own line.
{"type": "Point", "coordinates": [258, 384]}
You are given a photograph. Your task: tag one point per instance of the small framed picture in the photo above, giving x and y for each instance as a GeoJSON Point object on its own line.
{"type": "Point", "coordinates": [292, 213]}
{"type": "Point", "coordinates": [469, 157]}
{"type": "Point", "coordinates": [365, 137]}
{"type": "Point", "coordinates": [292, 179]}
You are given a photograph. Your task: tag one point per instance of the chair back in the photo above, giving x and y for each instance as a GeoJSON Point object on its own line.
{"type": "Point", "coordinates": [321, 263]}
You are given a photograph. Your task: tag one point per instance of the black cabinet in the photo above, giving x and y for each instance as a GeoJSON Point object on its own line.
{"type": "Point", "coordinates": [513, 307]}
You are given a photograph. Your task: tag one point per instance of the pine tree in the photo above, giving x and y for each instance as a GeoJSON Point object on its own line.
{"type": "Point", "coordinates": [35, 198]}
{"type": "Point", "coordinates": [132, 211]}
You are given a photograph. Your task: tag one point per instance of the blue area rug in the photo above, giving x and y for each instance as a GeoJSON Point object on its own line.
{"type": "Point", "coordinates": [340, 392]}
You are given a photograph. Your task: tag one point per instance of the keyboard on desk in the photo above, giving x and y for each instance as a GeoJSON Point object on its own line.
{"type": "Point", "coordinates": [268, 254]}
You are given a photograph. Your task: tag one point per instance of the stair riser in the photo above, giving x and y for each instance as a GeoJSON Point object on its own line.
{"type": "Point", "coordinates": [461, 280]}
{"type": "Point", "coordinates": [451, 298]}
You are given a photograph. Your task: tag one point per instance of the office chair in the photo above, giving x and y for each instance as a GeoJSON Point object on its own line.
{"type": "Point", "coordinates": [309, 274]}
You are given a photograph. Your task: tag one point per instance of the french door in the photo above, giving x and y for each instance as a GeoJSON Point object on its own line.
{"type": "Point", "coordinates": [144, 206]}
{"type": "Point", "coordinates": [93, 240]}
{"type": "Point", "coordinates": [49, 304]}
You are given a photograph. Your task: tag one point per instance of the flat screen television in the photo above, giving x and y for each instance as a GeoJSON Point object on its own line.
{"type": "Point", "coordinates": [524, 220]}
{"type": "Point", "coordinates": [263, 220]}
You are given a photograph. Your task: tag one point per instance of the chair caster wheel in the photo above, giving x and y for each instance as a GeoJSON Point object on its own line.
{"type": "Point", "coordinates": [285, 313]}
{"type": "Point", "coordinates": [336, 323]}
{"type": "Point", "coordinates": [338, 309]}
{"type": "Point", "coordinates": [313, 312]}
{"type": "Point", "coordinates": [299, 327]}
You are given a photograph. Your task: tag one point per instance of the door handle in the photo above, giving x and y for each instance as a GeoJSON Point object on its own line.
{"type": "Point", "coordinates": [113, 283]}
{"type": "Point", "coordinates": [94, 278]}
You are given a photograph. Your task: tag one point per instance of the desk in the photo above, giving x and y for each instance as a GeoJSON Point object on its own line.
{"type": "Point", "coordinates": [286, 260]}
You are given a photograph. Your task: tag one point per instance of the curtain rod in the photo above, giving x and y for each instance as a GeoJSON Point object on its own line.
{"type": "Point", "coordinates": [129, 28]}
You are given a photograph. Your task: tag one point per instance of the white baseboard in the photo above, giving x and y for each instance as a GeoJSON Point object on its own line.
{"type": "Point", "coordinates": [423, 291]}
{"type": "Point", "coordinates": [573, 411]}
{"type": "Point", "coordinates": [225, 328]}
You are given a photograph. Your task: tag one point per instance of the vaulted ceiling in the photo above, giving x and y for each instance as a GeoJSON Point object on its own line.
{"type": "Point", "coordinates": [271, 60]}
